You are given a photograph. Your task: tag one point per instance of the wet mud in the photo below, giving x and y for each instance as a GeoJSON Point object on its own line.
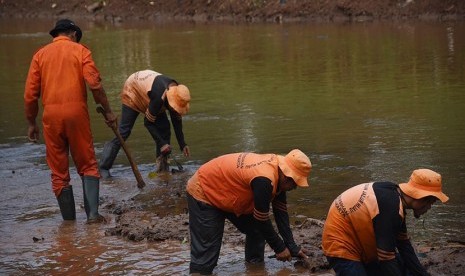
{"type": "Point", "coordinates": [134, 223]}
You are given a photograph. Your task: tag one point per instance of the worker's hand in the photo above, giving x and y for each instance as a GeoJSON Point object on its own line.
{"type": "Point", "coordinates": [186, 151]}
{"type": "Point", "coordinates": [284, 256]}
{"type": "Point", "coordinates": [165, 150]}
{"type": "Point", "coordinates": [110, 119]}
{"type": "Point", "coordinates": [33, 133]}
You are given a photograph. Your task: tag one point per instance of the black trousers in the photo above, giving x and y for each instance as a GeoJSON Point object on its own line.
{"type": "Point", "coordinates": [160, 129]}
{"type": "Point", "coordinates": [206, 225]}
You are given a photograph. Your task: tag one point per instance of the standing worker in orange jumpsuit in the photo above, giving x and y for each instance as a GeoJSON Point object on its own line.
{"type": "Point", "coordinates": [58, 73]}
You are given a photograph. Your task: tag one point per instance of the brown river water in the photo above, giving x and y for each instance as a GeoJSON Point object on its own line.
{"type": "Point", "coordinates": [365, 101]}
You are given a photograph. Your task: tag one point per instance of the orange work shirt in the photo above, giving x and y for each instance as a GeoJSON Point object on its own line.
{"type": "Point", "coordinates": [55, 81]}
{"type": "Point", "coordinates": [136, 88]}
{"type": "Point", "coordinates": [349, 232]}
{"type": "Point", "coordinates": [224, 182]}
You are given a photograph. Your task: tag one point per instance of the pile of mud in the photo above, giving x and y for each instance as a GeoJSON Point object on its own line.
{"type": "Point", "coordinates": [138, 225]}
{"type": "Point", "coordinates": [142, 226]}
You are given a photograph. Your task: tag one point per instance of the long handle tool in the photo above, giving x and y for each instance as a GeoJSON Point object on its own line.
{"type": "Point", "coordinates": [135, 170]}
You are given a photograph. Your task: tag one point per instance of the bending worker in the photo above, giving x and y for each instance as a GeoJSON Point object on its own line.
{"type": "Point", "coordinates": [151, 94]}
{"type": "Point", "coordinates": [240, 187]}
{"type": "Point", "coordinates": [366, 224]}
{"type": "Point", "coordinates": [58, 73]}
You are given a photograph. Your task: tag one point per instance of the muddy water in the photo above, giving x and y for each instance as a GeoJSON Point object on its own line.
{"type": "Point", "coordinates": [364, 101]}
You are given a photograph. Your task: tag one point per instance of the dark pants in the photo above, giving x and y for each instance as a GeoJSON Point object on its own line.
{"type": "Point", "coordinates": [345, 267]}
{"type": "Point", "coordinates": [159, 130]}
{"type": "Point", "coordinates": [206, 225]}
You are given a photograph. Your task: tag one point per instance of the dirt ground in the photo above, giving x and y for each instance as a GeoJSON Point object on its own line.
{"type": "Point", "coordinates": [237, 10]}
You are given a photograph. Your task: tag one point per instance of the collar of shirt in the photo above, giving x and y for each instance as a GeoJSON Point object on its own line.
{"type": "Point", "coordinates": [61, 37]}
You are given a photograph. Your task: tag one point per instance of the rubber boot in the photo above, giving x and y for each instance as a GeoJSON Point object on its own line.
{"type": "Point", "coordinates": [66, 203]}
{"type": "Point", "coordinates": [91, 188]}
{"type": "Point", "coordinates": [109, 153]}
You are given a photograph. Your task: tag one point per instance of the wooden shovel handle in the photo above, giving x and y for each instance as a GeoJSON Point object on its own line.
{"type": "Point", "coordinates": [135, 170]}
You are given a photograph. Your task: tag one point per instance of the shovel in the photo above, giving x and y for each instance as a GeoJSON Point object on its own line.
{"type": "Point", "coordinates": [179, 169]}
{"type": "Point", "coordinates": [135, 170]}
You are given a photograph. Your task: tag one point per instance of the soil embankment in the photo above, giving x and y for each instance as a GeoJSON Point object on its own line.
{"type": "Point", "coordinates": [132, 223]}
{"type": "Point", "coordinates": [237, 10]}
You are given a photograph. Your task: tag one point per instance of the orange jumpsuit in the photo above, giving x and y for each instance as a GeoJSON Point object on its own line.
{"type": "Point", "coordinates": [58, 73]}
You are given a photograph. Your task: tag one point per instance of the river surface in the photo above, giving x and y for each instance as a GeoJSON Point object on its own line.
{"type": "Point", "coordinates": [366, 102]}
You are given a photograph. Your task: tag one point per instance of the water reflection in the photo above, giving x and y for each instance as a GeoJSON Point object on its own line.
{"type": "Point", "coordinates": [74, 250]}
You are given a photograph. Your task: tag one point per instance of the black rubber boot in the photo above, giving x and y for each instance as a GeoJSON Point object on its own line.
{"type": "Point", "coordinates": [91, 188]}
{"type": "Point", "coordinates": [66, 203]}
{"type": "Point", "coordinates": [109, 153]}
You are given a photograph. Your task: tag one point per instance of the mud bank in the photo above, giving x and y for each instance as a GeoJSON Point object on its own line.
{"type": "Point", "coordinates": [135, 224]}
{"type": "Point", "coordinates": [237, 10]}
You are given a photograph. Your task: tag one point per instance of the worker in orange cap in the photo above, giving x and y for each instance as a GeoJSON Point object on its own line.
{"type": "Point", "coordinates": [58, 74]}
{"type": "Point", "coordinates": [240, 187]}
{"type": "Point", "coordinates": [152, 94]}
{"type": "Point", "coordinates": [366, 225]}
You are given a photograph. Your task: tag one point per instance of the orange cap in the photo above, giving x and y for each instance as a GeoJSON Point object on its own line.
{"type": "Point", "coordinates": [423, 183]}
{"type": "Point", "coordinates": [296, 165]}
{"type": "Point", "coordinates": [179, 98]}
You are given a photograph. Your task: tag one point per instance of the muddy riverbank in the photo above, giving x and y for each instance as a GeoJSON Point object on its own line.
{"type": "Point", "coordinates": [237, 10]}
{"type": "Point", "coordinates": [134, 223]}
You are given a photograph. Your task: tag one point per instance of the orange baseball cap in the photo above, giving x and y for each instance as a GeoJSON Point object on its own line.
{"type": "Point", "coordinates": [179, 98]}
{"type": "Point", "coordinates": [423, 183]}
{"type": "Point", "coordinates": [296, 165]}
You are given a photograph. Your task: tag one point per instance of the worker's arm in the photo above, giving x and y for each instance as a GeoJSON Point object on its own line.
{"type": "Point", "coordinates": [176, 121]}
{"type": "Point", "coordinates": [407, 253]}
{"type": "Point", "coordinates": [94, 81]}
{"type": "Point", "coordinates": [100, 97]}
{"type": "Point", "coordinates": [281, 217]}
{"type": "Point", "coordinates": [31, 99]}
{"type": "Point", "coordinates": [262, 192]}
{"type": "Point", "coordinates": [391, 233]}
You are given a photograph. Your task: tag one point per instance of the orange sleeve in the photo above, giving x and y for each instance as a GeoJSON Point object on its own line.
{"type": "Point", "coordinates": [32, 90]}
{"type": "Point", "coordinates": [90, 71]}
